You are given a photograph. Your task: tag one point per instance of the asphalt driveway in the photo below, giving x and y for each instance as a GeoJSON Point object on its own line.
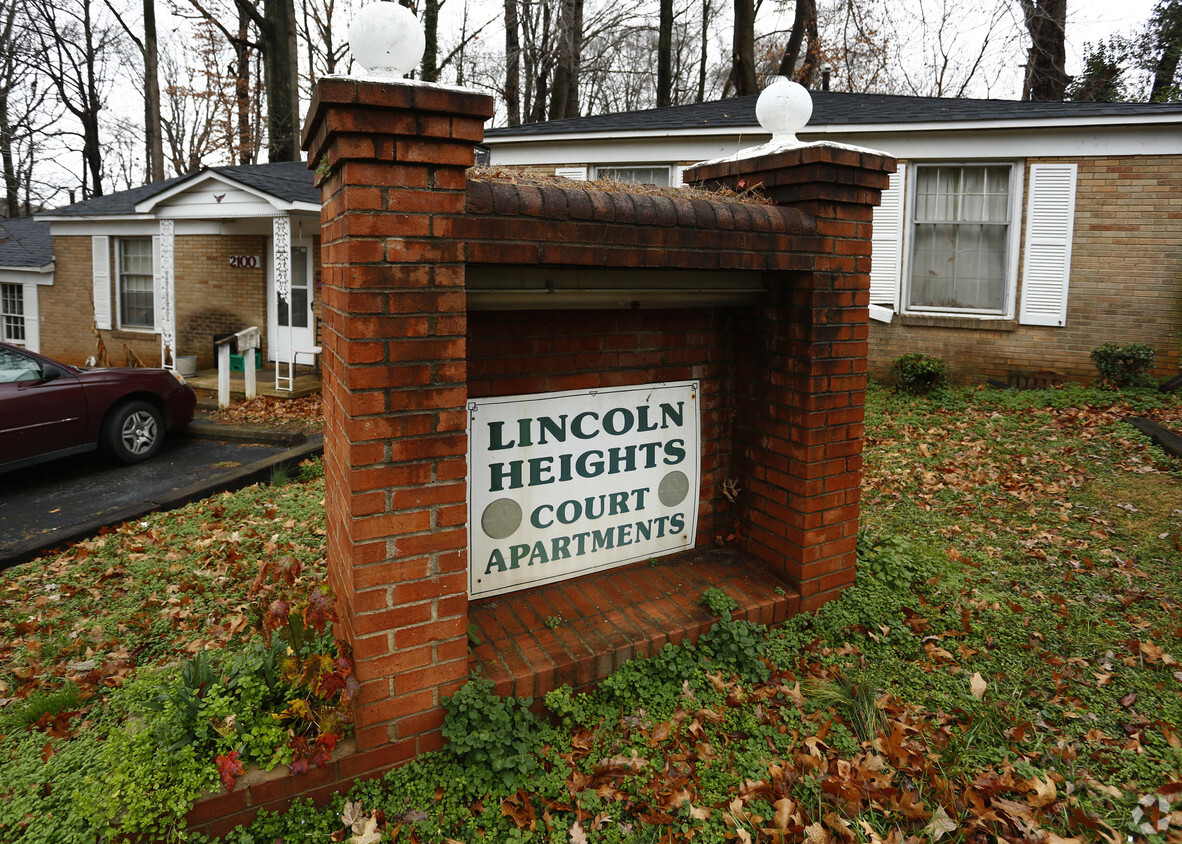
{"type": "Point", "coordinates": [49, 505]}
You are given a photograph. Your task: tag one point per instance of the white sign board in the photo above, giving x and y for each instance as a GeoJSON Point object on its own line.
{"type": "Point", "coordinates": [564, 484]}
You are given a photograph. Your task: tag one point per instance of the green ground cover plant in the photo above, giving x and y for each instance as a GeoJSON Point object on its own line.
{"type": "Point", "coordinates": [1005, 667]}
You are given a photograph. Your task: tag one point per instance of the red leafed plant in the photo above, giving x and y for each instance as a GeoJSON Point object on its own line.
{"type": "Point", "coordinates": [319, 715]}
{"type": "Point", "coordinates": [228, 768]}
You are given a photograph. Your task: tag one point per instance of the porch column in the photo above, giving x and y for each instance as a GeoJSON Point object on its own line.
{"type": "Point", "coordinates": [167, 293]}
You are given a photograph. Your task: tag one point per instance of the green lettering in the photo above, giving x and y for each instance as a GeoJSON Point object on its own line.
{"type": "Point", "coordinates": [667, 413]}
{"type": "Point", "coordinates": [539, 470]}
{"type": "Point", "coordinates": [500, 473]}
{"type": "Point", "coordinates": [539, 554]}
{"type": "Point", "coordinates": [535, 518]}
{"type": "Point", "coordinates": [517, 553]}
{"type": "Point", "coordinates": [556, 429]}
{"type": "Point", "coordinates": [560, 548]}
{"type": "Point", "coordinates": [621, 459]}
{"type": "Point", "coordinates": [576, 425]}
{"type": "Point", "coordinates": [676, 524]}
{"type": "Point", "coordinates": [496, 558]}
{"type": "Point", "coordinates": [624, 426]}
{"type": "Point", "coordinates": [496, 434]}
{"type": "Point", "coordinates": [602, 539]}
{"type": "Point", "coordinates": [674, 452]}
{"type": "Point", "coordinates": [588, 468]}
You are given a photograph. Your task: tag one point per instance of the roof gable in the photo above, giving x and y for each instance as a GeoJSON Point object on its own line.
{"type": "Point", "coordinates": [282, 184]}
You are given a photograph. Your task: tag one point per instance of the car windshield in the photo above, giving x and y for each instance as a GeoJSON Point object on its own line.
{"type": "Point", "coordinates": [17, 367]}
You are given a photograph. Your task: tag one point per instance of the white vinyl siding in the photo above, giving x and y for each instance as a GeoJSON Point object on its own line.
{"type": "Point", "coordinates": [1050, 215]}
{"type": "Point", "coordinates": [100, 247]}
{"type": "Point", "coordinates": [886, 266]}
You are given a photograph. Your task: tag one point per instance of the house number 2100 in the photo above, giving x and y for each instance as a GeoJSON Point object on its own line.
{"type": "Point", "coordinates": [244, 261]}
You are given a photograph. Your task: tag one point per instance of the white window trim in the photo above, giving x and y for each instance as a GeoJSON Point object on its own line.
{"type": "Point", "coordinates": [118, 274]}
{"type": "Point", "coordinates": [1013, 244]}
{"type": "Point", "coordinates": [22, 291]}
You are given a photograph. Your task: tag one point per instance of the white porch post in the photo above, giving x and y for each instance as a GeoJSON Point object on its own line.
{"type": "Point", "coordinates": [167, 294]}
{"type": "Point", "coordinates": [281, 243]}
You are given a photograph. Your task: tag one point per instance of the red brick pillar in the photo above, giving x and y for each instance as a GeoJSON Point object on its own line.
{"type": "Point", "coordinates": [800, 385]}
{"type": "Point", "coordinates": [390, 159]}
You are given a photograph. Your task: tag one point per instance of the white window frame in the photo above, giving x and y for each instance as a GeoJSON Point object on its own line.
{"type": "Point", "coordinates": [598, 168]}
{"type": "Point", "coordinates": [1013, 239]}
{"type": "Point", "coordinates": [118, 256]}
{"type": "Point", "coordinates": [23, 316]}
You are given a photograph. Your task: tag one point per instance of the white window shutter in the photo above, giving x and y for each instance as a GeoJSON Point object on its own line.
{"type": "Point", "coordinates": [577, 174]}
{"type": "Point", "coordinates": [100, 249]}
{"type": "Point", "coordinates": [886, 261]}
{"type": "Point", "coordinates": [157, 300]}
{"type": "Point", "coordinates": [1050, 217]}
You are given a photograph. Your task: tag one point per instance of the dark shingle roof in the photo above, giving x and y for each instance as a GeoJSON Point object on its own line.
{"type": "Point", "coordinates": [290, 181]}
{"type": "Point", "coordinates": [831, 107]}
{"type": "Point", "coordinates": [25, 242]}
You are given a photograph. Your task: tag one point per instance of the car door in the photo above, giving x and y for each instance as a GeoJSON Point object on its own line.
{"type": "Point", "coordinates": [42, 407]}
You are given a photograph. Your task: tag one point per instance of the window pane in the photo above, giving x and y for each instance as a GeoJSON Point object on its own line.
{"type": "Point", "coordinates": [136, 283]}
{"type": "Point", "coordinates": [12, 313]}
{"type": "Point", "coordinates": [635, 175]}
{"type": "Point", "coordinates": [960, 237]}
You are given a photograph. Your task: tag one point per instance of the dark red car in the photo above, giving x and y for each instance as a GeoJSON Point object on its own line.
{"type": "Point", "coordinates": [50, 410]}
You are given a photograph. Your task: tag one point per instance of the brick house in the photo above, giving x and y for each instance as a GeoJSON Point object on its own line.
{"type": "Point", "coordinates": [184, 259]}
{"type": "Point", "coordinates": [26, 266]}
{"type": "Point", "coordinates": [1014, 236]}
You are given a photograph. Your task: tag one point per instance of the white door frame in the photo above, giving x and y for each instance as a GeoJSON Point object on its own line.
{"type": "Point", "coordinates": [277, 337]}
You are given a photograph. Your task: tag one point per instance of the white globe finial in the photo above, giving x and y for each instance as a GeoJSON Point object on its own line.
{"type": "Point", "coordinates": [387, 39]}
{"type": "Point", "coordinates": [784, 108]}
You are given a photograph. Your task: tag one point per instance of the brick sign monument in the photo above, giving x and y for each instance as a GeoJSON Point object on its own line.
{"type": "Point", "coordinates": [547, 402]}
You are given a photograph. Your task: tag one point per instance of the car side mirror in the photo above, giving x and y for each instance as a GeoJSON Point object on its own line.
{"type": "Point", "coordinates": [50, 373]}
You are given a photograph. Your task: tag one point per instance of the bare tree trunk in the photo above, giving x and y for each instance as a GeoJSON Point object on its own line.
{"type": "Point", "coordinates": [743, 49]}
{"type": "Point", "coordinates": [705, 50]}
{"type": "Point", "coordinates": [512, 64]}
{"type": "Point", "coordinates": [429, 67]}
{"type": "Point", "coordinates": [12, 202]}
{"type": "Point", "coordinates": [564, 100]}
{"type": "Point", "coordinates": [1046, 74]}
{"type": "Point", "coordinates": [153, 138]}
{"type": "Point", "coordinates": [804, 31]}
{"type": "Point", "coordinates": [665, 54]}
{"type": "Point", "coordinates": [1166, 28]}
{"type": "Point", "coordinates": [280, 74]}
{"type": "Point", "coordinates": [246, 142]}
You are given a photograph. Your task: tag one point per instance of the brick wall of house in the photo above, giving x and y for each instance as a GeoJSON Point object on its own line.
{"type": "Point", "coordinates": [211, 298]}
{"type": "Point", "coordinates": [67, 307]}
{"type": "Point", "coordinates": [214, 298]}
{"type": "Point", "coordinates": [1126, 285]}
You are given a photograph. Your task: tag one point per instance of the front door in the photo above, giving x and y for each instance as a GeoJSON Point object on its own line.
{"type": "Point", "coordinates": [293, 327]}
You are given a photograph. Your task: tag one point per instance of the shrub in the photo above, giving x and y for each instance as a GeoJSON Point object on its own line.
{"type": "Point", "coordinates": [1124, 366]}
{"type": "Point", "coordinates": [497, 738]}
{"type": "Point", "coordinates": [919, 374]}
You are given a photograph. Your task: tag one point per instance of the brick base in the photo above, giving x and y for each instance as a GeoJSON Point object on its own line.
{"type": "Point", "coordinates": [608, 618]}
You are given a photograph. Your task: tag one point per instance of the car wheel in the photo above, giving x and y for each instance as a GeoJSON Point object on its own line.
{"type": "Point", "coordinates": [132, 432]}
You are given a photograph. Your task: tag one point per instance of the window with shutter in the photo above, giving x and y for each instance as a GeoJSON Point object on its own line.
{"type": "Point", "coordinates": [101, 280]}
{"type": "Point", "coordinates": [887, 244]}
{"type": "Point", "coordinates": [1050, 217]}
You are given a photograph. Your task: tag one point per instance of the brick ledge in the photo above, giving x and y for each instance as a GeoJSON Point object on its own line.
{"type": "Point", "coordinates": [610, 617]}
